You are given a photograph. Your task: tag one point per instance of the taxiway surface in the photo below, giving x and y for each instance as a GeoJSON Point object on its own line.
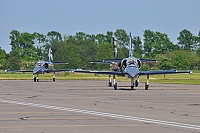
{"type": "Point", "coordinates": [88, 106]}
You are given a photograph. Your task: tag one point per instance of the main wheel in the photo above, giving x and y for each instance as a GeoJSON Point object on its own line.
{"type": "Point", "coordinates": [34, 79]}
{"type": "Point", "coordinates": [115, 86]}
{"type": "Point", "coordinates": [110, 84]}
{"type": "Point", "coordinates": [37, 79]}
{"type": "Point", "coordinates": [146, 86]}
{"type": "Point", "coordinates": [136, 83]}
{"type": "Point", "coordinates": [54, 79]}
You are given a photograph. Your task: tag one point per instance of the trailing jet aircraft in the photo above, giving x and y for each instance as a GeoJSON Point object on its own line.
{"type": "Point", "coordinates": [128, 67]}
{"type": "Point", "coordinates": [42, 67]}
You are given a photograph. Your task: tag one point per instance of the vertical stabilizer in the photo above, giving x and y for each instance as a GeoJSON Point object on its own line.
{"type": "Point", "coordinates": [50, 56]}
{"type": "Point", "coordinates": [130, 47]}
{"type": "Point", "coordinates": [115, 48]}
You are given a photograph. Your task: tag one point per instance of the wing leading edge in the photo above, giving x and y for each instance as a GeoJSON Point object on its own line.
{"type": "Point", "coordinates": [101, 72]}
{"type": "Point", "coordinates": [58, 70]}
{"type": "Point", "coordinates": [121, 73]}
{"type": "Point", "coordinates": [163, 72]}
{"type": "Point", "coordinates": [19, 71]}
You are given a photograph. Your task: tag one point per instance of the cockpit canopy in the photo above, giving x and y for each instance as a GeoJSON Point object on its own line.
{"type": "Point", "coordinates": [39, 64]}
{"type": "Point", "coordinates": [131, 62]}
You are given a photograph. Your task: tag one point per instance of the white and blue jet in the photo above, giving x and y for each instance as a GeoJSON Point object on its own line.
{"type": "Point", "coordinates": [42, 67]}
{"type": "Point", "coordinates": [129, 67]}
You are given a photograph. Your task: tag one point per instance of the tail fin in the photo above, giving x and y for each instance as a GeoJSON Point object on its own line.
{"type": "Point", "coordinates": [115, 48]}
{"type": "Point", "coordinates": [50, 56]}
{"type": "Point", "coordinates": [130, 47]}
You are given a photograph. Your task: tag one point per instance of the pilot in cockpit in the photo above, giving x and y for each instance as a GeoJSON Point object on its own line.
{"type": "Point", "coordinates": [131, 62]}
{"type": "Point", "coordinates": [39, 64]}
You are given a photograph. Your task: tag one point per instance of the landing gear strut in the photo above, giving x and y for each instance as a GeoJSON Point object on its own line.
{"type": "Point", "coordinates": [109, 81]}
{"type": "Point", "coordinates": [147, 83]}
{"type": "Point", "coordinates": [132, 83]}
{"type": "Point", "coordinates": [54, 77]}
{"type": "Point", "coordinates": [35, 79]}
{"type": "Point", "coordinates": [114, 83]}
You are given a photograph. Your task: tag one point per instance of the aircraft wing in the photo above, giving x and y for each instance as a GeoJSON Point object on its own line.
{"type": "Point", "coordinates": [18, 70]}
{"type": "Point", "coordinates": [163, 72]}
{"type": "Point", "coordinates": [101, 72]}
{"type": "Point", "coordinates": [58, 70]}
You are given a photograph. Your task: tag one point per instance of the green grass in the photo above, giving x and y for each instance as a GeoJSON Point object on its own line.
{"type": "Point", "coordinates": [169, 79]}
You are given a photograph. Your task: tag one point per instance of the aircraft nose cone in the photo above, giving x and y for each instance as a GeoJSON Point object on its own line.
{"type": "Point", "coordinates": [132, 71]}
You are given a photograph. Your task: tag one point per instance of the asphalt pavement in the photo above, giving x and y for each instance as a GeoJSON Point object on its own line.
{"type": "Point", "coordinates": [90, 106]}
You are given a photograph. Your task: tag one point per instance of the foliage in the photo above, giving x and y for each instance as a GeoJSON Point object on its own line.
{"type": "Point", "coordinates": [137, 47]}
{"type": "Point", "coordinates": [156, 43]}
{"type": "Point", "coordinates": [2, 58]}
{"type": "Point", "coordinates": [181, 60]}
{"type": "Point", "coordinates": [79, 49]}
{"type": "Point", "coordinates": [186, 40]}
{"type": "Point", "coordinates": [13, 60]}
{"type": "Point", "coordinates": [164, 62]}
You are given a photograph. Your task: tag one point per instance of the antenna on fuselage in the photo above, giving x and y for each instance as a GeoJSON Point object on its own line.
{"type": "Point", "coordinates": [130, 47]}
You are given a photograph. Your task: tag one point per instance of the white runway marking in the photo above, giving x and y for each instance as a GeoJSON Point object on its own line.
{"type": "Point", "coordinates": [160, 122]}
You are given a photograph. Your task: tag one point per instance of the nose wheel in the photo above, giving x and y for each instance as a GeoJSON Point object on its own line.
{"type": "Point", "coordinates": [132, 83]}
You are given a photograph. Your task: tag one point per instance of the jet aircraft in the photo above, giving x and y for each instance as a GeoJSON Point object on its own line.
{"type": "Point", "coordinates": [42, 67]}
{"type": "Point", "coordinates": [128, 67]}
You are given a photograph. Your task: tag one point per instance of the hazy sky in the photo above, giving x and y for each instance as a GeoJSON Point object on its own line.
{"type": "Point", "coordinates": [98, 16]}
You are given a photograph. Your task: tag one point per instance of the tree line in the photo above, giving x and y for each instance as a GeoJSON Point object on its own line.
{"type": "Point", "coordinates": [79, 49]}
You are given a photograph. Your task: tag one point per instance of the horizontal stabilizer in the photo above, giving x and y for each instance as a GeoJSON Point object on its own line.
{"type": "Point", "coordinates": [107, 61]}
{"type": "Point", "coordinates": [97, 62]}
{"type": "Point", "coordinates": [147, 60]}
{"type": "Point", "coordinates": [60, 63]}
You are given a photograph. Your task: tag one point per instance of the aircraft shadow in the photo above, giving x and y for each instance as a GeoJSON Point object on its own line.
{"type": "Point", "coordinates": [43, 81]}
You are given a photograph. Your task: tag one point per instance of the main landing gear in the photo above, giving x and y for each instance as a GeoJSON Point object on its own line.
{"type": "Point", "coordinates": [147, 83]}
{"type": "Point", "coordinates": [54, 77]}
{"type": "Point", "coordinates": [109, 81]}
{"type": "Point", "coordinates": [137, 81]}
{"type": "Point", "coordinates": [114, 82]}
{"type": "Point", "coordinates": [133, 84]}
{"type": "Point", "coordinates": [35, 78]}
